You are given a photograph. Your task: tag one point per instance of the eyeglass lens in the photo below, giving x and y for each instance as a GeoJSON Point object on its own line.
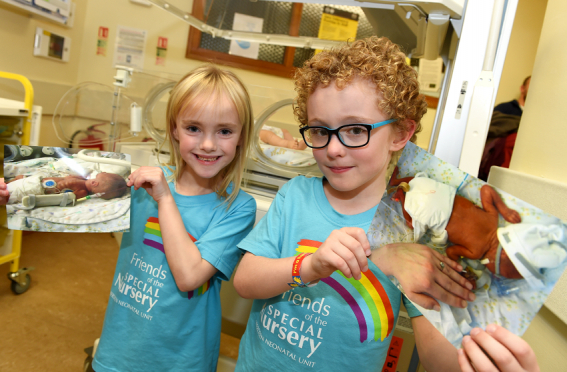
{"type": "Point", "coordinates": [352, 135]}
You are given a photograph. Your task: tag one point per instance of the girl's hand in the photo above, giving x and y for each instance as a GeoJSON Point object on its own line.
{"type": "Point", "coordinates": [152, 180]}
{"type": "Point", "coordinates": [497, 349]}
{"type": "Point", "coordinates": [4, 193]}
{"type": "Point", "coordinates": [345, 250]}
{"type": "Point", "coordinates": [420, 273]}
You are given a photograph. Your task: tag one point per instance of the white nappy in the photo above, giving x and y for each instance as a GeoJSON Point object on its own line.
{"type": "Point", "coordinates": [430, 204]}
{"type": "Point", "coordinates": [26, 186]}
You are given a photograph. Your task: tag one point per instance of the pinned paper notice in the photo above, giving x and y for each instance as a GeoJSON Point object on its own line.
{"type": "Point", "coordinates": [130, 47]}
{"type": "Point", "coordinates": [430, 74]}
{"type": "Point", "coordinates": [243, 22]}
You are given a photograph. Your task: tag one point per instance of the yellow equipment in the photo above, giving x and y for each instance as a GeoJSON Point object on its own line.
{"type": "Point", "coordinates": [19, 277]}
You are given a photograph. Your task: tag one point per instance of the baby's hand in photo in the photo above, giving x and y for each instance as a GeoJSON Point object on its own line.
{"type": "Point", "coordinates": [152, 180]}
{"type": "Point", "coordinates": [4, 193]}
{"type": "Point", "coordinates": [345, 250]}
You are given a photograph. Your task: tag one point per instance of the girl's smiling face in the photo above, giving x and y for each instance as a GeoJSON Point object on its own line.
{"type": "Point", "coordinates": [208, 132]}
{"type": "Point", "coordinates": [352, 172]}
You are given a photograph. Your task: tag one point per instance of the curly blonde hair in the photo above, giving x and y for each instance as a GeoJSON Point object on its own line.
{"type": "Point", "coordinates": [377, 59]}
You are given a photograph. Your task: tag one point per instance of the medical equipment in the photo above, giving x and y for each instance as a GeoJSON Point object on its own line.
{"type": "Point", "coordinates": [61, 200]}
{"type": "Point", "coordinates": [20, 121]}
{"type": "Point", "coordinates": [99, 195]}
{"type": "Point", "coordinates": [96, 157]}
{"type": "Point", "coordinates": [50, 45]}
{"type": "Point", "coordinates": [93, 196]}
{"type": "Point", "coordinates": [101, 112]}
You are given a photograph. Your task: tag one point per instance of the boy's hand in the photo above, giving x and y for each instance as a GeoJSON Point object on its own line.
{"type": "Point", "coordinates": [345, 250]}
{"type": "Point", "coordinates": [497, 349]}
{"type": "Point", "coordinates": [4, 193]}
{"type": "Point", "coordinates": [152, 180]}
{"type": "Point", "coordinates": [420, 273]}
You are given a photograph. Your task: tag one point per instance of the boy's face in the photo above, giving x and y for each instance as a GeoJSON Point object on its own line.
{"type": "Point", "coordinates": [208, 133]}
{"type": "Point", "coordinates": [351, 171]}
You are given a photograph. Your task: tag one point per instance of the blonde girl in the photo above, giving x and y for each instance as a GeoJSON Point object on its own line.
{"type": "Point", "coordinates": [164, 310]}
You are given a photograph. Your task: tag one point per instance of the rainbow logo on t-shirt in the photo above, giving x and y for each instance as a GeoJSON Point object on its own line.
{"type": "Point", "coordinates": [366, 297]}
{"type": "Point", "coordinates": [152, 238]}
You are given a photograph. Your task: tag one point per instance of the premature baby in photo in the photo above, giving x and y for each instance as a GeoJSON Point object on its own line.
{"type": "Point", "coordinates": [105, 185]}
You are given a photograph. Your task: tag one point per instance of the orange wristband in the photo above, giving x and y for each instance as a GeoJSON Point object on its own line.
{"type": "Point", "coordinates": [295, 271]}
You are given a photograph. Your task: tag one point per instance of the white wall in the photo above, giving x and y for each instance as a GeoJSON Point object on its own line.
{"type": "Point", "coordinates": [50, 78]}
{"type": "Point", "coordinates": [522, 48]}
{"type": "Point", "coordinates": [540, 151]}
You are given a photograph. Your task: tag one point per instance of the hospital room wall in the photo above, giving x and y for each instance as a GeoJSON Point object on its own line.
{"type": "Point", "coordinates": [521, 48]}
{"type": "Point", "coordinates": [540, 151]}
{"type": "Point", "coordinates": [50, 79]}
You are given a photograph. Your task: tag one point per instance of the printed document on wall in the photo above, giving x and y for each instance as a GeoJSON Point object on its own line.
{"type": "Point", "coordinates": [430, 74]}
{"type": "Point", "coordinates": [129, 47]}
{"type": "Point", "coordinates": [243, 22]}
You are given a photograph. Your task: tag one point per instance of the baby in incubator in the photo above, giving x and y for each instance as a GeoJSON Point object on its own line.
{"type": "Point", "coordinates": [106, 185]}
{"type": "Point", "coordinates": [280, 137]}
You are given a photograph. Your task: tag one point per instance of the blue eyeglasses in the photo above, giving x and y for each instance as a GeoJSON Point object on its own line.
{"type": "Point", "coordinates": [350, 135]}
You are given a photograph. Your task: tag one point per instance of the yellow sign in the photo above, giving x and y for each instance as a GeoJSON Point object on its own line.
{"type": "Point", "coordinates": [340, 25]}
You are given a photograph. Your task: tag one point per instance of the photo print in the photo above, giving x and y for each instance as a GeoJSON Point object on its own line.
{"type": "Point", "coordinates": [66, 189]}
{"type": "Point", "coordinates": [512, 252]}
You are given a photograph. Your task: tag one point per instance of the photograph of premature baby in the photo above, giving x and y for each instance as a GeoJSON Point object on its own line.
{"type": "Point", "coordinates": [512, 252]}
{"type": "Point", "coordinates": [66, 190]}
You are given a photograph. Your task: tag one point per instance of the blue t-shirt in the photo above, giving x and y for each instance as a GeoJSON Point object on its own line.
{"type": "Point", "coordinates": [150, 325]}
{"type": "Point", "coordinates": [339, 324]}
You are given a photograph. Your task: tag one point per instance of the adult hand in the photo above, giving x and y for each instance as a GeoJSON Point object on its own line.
{"type": "Point", "coordinates": [424, 274]}
{"type": "Point", "coordinates": [4, 193]}
{"type": "Point", "coordinates": [152, 180]}
{"type": "Point", "coordinates": [345, 250]}
{"type": "Point", "coordinates": [497, 349]}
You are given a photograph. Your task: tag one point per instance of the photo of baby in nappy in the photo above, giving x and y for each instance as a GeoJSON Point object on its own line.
{"type": "Point", "coordinates": [512, 252]}
{"type": "Point", "coordinates": [61, 189]}
{"type": "Point", "coordinates": [472, 230]}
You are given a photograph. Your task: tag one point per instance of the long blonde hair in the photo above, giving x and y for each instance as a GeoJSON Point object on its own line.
{"type": "Point", "coordinates": [212, 81]}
